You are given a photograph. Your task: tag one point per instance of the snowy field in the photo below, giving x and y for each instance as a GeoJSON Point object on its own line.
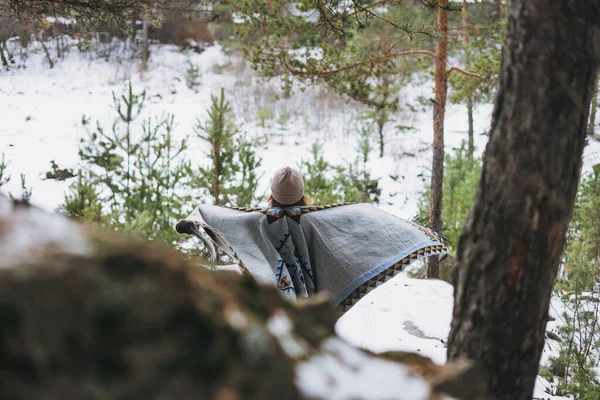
{"type": "Point", "coordinates": [42, 111]}
{"type": "Point", "coordinates": [41, 114]}
{"type": "Point", "coordinates": [414, 315]}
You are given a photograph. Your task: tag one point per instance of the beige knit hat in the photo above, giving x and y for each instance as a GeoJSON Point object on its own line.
{"type": "Point", "coordinates": [287, 186]}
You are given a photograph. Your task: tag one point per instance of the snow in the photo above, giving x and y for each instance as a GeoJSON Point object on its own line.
{"type": "Point", "coordinates": [404, 314]}
{"type": "Point", "coordinates": [312, 15]}
{"type": "Point", "coordinates": [32, 230]}
{"type": "Point", "coordinates": [236, 319]}
{"type": "Point", "coordinates": [238, 18]}
{"type": "Point", "coordinates": [414, 315]}
{"type": "Point", "coordinates": [347, 373]}
{"type": "Point", "coordinates": [43, 109]}
{"type": "Point", "coordinates": [41, 117]}
{"type": "Point", "coordinates": [280, 326]}
{"type": "Point", "coordinates": [61, 20]}
{"type": "Point", "coordinates": [304, 54]}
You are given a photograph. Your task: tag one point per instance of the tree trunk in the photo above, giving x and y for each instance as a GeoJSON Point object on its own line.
{"type": "Point", "coordinates": [217, 177]}
{"type": "Point", "coordinates": [2, 56]}
{"type": "Point", "coordinates": [591, 126]}
{"type": "Point", "coordinates": [145, 50]}
{"type": "Point", "coordinates": [512, 242]}
{"type": "Point", "coordinates": [382, 112]}
{"type": "Point", "coordinates": [57, 41]}
{"type": "Point", "coordinates": [465, 22]}
{"type": "Point", "coordinates": [47, 53]}
{"type": "Point", "coordinates": [439, 109]}
{"type": "Point", "coordinates": [133, 34]}
{"type": "Point", "coordinates": [499, 9]}
{"type": "Point", "coordinates": [471, 142]}
{"type": "Point", "coordinates": [380, 124]}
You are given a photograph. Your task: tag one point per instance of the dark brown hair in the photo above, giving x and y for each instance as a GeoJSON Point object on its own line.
{"type": "Point", "coordinates": [304, 201]}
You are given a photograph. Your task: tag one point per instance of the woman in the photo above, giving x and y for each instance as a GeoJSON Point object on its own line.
{"type": "Point", "coordinates": [344, 250]}
{"type": "Point", "coordinates": [287, 189]}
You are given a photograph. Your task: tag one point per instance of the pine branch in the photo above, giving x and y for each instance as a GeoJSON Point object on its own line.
{"type": "Point", "coordinates": [355, 65]}
{"type": "Point", "coordinates": [453, 28]}
{"type": "Point", "coordinates": [365, 101]}
{"type": "Point", "coordinates": [397, 42]}
{"type": "Point", "coordinates": [328, 21]}
{"type": "Point", "coordinates": [93, 12]}
{"type": "Point", "coordinates": [465, 73]}
{"type": "Point", "coordinates": [340, 22]}
{"type": "Point", "coordinates": [366, 10]}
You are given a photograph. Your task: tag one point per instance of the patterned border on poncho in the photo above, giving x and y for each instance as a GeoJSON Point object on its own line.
{"type": "Point", "coordinates": [389, 273]}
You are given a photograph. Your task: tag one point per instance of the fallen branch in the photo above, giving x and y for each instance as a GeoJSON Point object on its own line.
{"type": "Point", "coordinates": [88, 312]}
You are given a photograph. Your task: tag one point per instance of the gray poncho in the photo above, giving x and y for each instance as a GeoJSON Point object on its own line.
{"type": "Point", "coordinates": [345, 250]}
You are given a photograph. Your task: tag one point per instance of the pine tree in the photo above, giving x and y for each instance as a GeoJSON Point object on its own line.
{"type": "Point", "coordinates": [358, 184]}
{"type": "Point", "coordinates": [83, 200]}
{"type": "Point", "coordinates": [577, 286]}
{"type": "Point", "coordinates": [328, 184]}
{"type": "Point", "coordinates": [482, 55]}
{"type": "Point", "coordinates": [4, 177]}
{"type": "Point", "coordinates": [230, 176]}
{"type": "Point", "coordinates": [102, 13]}
{"type": "Point", "coordinates": [319, 181]}
{"type": "Point", "coordinates": [134, 177]}
{"type": "Point", "coordinates": [192, 72]}
{"type": "Point", "coordinates": [249, 162]}
{"type": "Point", "coordinates": [461, 179]}
{"type": "Point", "coordinates": [26, 191]}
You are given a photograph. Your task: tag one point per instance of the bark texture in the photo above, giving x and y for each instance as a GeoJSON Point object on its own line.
{"type": "Point", "coordinates": [439, 110]}
{"type": "Point", "coordinates": [86, 314]}
{"type": "Point", "coordinates": [513, 239]}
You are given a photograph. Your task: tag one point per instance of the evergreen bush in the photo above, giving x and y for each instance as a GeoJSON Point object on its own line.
{"type": "Point", "coordinates": [132, 177]}
{"type": "Point", "coordinates": [264, 114]}
{"type": "Point", "coordinates": [576, 366]}
{"type": "Point", "coordinates": [4, 177]}
{"type": "Point", "coordinates": [327, 184]}
{"type": "Point", "coordinates": [193, 75]}
{"type": "Point", "coordinates": [230, 177]}
{"type": "Point", "coordinates": [461, 180]}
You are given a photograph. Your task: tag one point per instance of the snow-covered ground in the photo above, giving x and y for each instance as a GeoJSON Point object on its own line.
{"type": "Point", "coordinates": [42, 110]}
{"type": "Point", "coordinates": [414, 315]}
{"type": "Point", "coordinates": [40, 120]}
